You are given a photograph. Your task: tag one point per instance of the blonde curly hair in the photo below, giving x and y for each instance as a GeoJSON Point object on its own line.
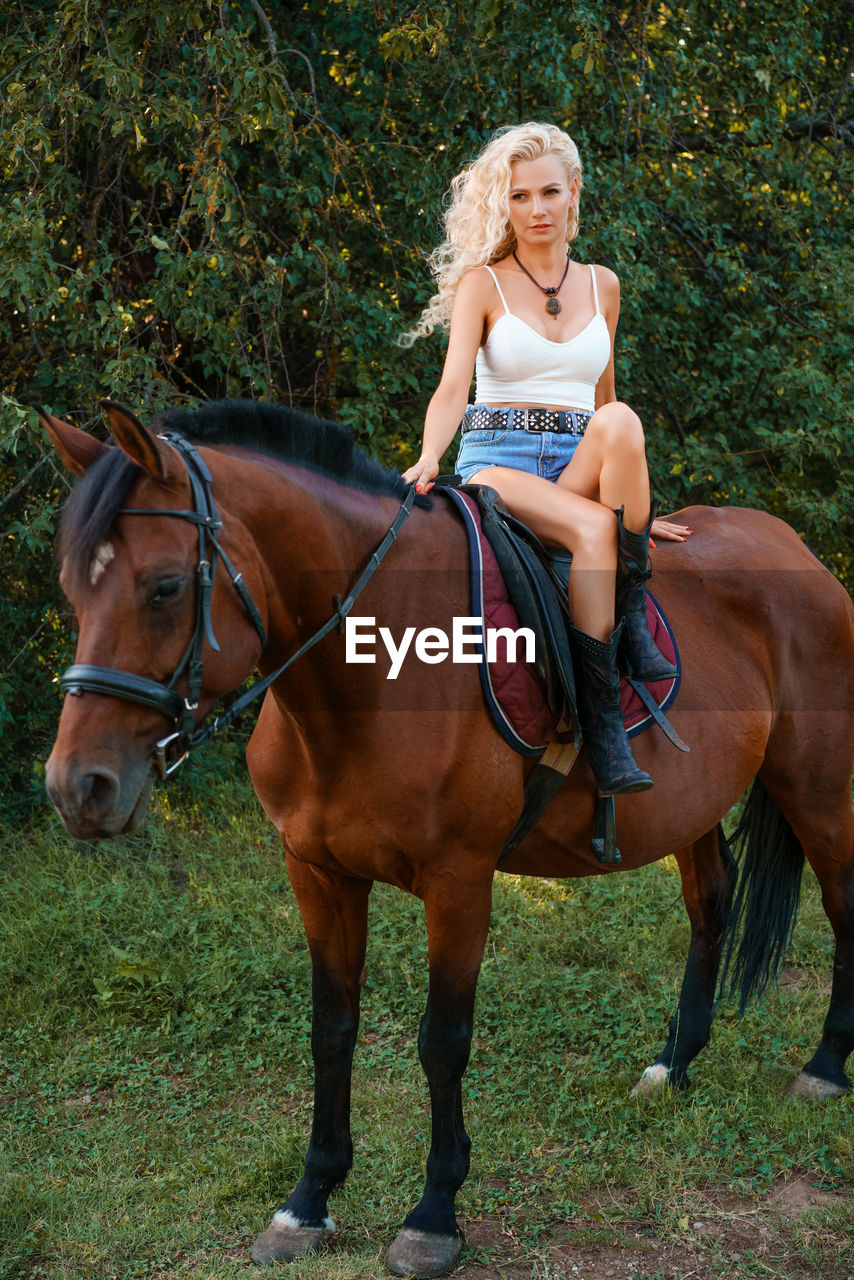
{"type": "Point", "coordinates": [477, 218]}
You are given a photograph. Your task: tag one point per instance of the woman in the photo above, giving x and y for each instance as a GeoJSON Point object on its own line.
{"type": "Point", "coordinates": [546, 430]}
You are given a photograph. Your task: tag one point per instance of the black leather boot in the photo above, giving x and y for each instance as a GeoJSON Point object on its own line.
{"type": "Point", "coordinates": [601, 720]}
{"type": "Point", "coordinates": [642, 657]}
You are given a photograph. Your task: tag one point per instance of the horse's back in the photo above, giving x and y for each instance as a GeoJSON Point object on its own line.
{"type": "Point", "coordinates": [741, 537]}
{"type": "Point", "coordinates": [751, 586]}
{"type": "Point", "coordinates": [741, 552]}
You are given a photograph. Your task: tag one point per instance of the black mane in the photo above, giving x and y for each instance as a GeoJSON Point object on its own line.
{"type": "Point", "coordinates": [283, 433]}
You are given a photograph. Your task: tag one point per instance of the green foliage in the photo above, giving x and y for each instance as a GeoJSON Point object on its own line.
{"type": "Point", "coordinates": [229, 200]}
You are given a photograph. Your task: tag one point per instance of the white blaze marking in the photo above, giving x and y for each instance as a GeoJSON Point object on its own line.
{"type": "Point", "coordinates": [102, 557]}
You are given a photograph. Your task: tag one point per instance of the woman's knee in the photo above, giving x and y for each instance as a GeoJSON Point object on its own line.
{"type": "Point", "coordinates": [619, 426]}
{"type": "Point", "coordinates": [594, 532]}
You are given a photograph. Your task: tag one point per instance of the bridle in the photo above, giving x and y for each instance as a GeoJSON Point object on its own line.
{"type": "Point", "coordinates": [173, 749]}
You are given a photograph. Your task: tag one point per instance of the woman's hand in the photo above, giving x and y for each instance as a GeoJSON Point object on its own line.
{"type": "Point", "coordinates": [668, 531]}
{"type": "Point", "coordinates": [423, 473]}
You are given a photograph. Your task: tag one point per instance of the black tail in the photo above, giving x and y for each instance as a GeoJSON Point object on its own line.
{"type": "Point", "coordinates": [766, 903]}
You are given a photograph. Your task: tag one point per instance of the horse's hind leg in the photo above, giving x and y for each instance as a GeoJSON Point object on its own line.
{"type": "Point", "coordinates": [457, 924]}
{"type": "Point", "coordinates": [335, 913]}
{"type": "Point", "coordinates": [708, 878]}
{"type": "Point", "coordinates": [822, 821]}
{"type": "Point", "coordinates": [824, 1075]}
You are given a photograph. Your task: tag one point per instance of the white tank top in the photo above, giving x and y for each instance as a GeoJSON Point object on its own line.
{"type": "Point", "coordinates": [517, 365]}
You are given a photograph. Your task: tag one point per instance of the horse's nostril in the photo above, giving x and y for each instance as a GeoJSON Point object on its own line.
{"type": "Point", "coordinates": [99, 790]}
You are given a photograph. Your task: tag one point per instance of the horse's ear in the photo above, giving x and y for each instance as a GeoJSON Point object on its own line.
{"type": "Point", "coordinates": [77, 449]}
{"type": "Point", "coordinates": [156, 458]}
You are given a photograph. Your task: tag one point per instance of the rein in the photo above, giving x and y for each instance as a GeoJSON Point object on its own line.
{"type": "Point", "coordinates": [83, 678]}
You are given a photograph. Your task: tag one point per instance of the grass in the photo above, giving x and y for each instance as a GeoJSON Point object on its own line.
{"type": "Point", "coordinates": [155, 1071]}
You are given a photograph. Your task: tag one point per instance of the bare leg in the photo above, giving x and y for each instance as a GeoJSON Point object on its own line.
{"type": "Point", "coordinates": [609, 464]}
{"type": "Point", "coordinates": [566, 519]}
{"type": "Point", "coordinates": [589, 530]}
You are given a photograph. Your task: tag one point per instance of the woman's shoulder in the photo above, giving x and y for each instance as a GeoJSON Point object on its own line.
{"type": "Point", "coordinates": [477, 279]}
{"type": "Point", "coordinates": [477, 288]}
{"type": "Point", "coordinates": [606, 278]}
{"type": "Point", "coordinates": [608, 290]}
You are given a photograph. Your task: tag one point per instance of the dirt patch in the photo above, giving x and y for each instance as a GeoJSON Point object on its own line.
{"type": "Point", "coordinates": [177, 1082]}
{"type": "Point", "coordinates": [86, 1105]}
{"type": "Point", "coordinates": [731, 1237]}
{"type": "Point", "coordinates": [799, 1195]}
{"type": "Point", "coordinates": [790, 976]}
{"type": "Point", "coordinates": [567, 1253]}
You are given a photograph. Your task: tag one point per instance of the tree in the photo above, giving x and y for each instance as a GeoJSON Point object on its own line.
{"type": "Point", "coordinates": [213, 200]}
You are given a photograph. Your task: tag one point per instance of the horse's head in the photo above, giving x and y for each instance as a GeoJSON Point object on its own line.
{"type": "Point", "coordinates": [158, 642]}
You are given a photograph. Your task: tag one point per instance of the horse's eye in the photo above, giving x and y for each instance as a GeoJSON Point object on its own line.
{"type": "Point", "coordinates": [167, 590]}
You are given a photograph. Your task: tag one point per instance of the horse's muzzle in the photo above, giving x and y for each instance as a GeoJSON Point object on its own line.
{"type": "Point", "coordinates": [93, 801]}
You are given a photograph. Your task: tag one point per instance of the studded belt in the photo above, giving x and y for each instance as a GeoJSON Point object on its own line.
{"type": "Point", "coordinates": [480, 417]}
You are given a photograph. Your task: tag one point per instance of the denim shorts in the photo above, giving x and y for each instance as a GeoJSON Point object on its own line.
{"type": "Point", "coordinates": [540, 453]}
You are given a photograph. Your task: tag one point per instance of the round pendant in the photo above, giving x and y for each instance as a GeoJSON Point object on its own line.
{"type": "Point", "coordinates": [553, 307]}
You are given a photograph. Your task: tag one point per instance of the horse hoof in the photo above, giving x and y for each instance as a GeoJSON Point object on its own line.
{"type": "Point", "coordinates": [286, 1238]}
{"type": "Point", "coordinates": [653, 1082]}
{"type": "Point", "coordinates": [421, 1254]}
{"type": "Point", "coordinates": [807, 1088]}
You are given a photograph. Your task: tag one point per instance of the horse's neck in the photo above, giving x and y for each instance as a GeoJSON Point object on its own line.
{"type": "Point", "coordinates": [311, 534]}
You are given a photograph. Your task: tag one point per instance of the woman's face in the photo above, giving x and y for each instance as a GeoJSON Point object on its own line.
{"type": "Point", "coordinates": [540, 200]}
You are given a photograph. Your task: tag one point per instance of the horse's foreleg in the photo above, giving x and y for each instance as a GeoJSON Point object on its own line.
{"type": "Point", "coordinates": [708, 878]}
{"type": "Point", "coordinates": [335, 911]}
{"type": "Point", "coordinates": [457, 924]}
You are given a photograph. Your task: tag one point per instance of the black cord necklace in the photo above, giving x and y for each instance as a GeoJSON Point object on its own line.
{"type": "Point", "coordinates": [552, 305]}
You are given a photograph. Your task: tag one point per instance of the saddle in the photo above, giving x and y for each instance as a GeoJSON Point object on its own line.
{"type": "Point", "coordinates": [530, 575]}
{"type": "Point", "coordinates": [535, 578]}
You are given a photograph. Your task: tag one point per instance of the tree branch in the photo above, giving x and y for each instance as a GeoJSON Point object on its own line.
{"type": "Point", "coordinates": [822, 126]}
{"type": "Point", "coordinates": [271, 39]}
{"type": "Point", "coordinates": [33, 335]}
{"type": "Point", "coordinates": [274, 51]}
{"type": "Point", "coordinates": [23, 481]}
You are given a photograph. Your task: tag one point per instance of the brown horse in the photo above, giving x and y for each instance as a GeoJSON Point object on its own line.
{"type": "Point", "coordinates": [407, 781]}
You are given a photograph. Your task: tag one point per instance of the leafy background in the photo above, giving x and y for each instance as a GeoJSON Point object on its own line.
{"type": "Point", "coordinates": [206, 200]}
